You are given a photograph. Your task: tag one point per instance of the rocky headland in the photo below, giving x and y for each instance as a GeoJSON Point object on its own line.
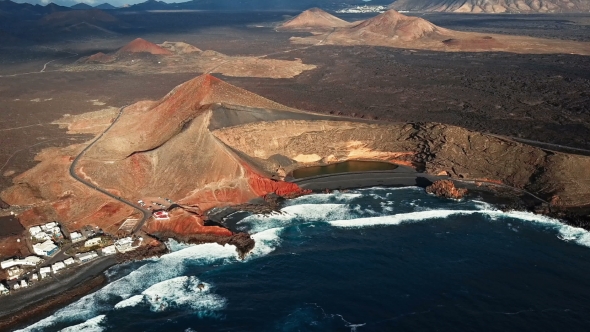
{"type": "Point", "coordinates": [209, 144]}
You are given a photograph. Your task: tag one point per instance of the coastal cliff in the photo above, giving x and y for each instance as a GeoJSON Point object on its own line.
{"type": "Point", "coordinates": [209, 144]}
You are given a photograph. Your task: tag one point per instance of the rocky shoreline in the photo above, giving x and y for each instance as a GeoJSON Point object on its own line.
{"type": "Point", "coordinates": [503, 197]}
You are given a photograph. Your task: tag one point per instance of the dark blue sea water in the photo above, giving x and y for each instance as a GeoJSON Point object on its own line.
{"type": "Point", "coordinates": [366, 260]}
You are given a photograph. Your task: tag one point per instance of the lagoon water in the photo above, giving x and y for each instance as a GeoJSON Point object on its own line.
{"type": "Point", "coordinates": [378, 259]}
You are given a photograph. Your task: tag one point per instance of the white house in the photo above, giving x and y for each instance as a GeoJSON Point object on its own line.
{"type": "Point", "coordinates": [34, 277]}
{"type": "Point", "coordinates": [87, 256]}
{"type": "Point", "coordinates": [44, 272]}
{"type": "Point", "coordinates": [124, 244]}
{"type": "Point", "coordinates": [23, 284]}
{"type": "Point", "coordinates": [35, 230]}
{"type": "Point", "coordinates": [28, 261]}
{"type": "Point", "coordinates": [42, 236]}
{"type": "Point", "coordinates": [3, 289]}
{"type": "Point", "coordinates": [48, 226]}
{"type": "Point", "coordinates": [93, 242]}
{"type": "Point", "coordinates": [110, 250]}
{"type": "Point", "coordinates": [76, 237]}
{"type": "Point", "coordinates": [58, 266]}
{"type": "Point", "coordinates": [8, 263]}
{"type": "Point", "coordinates": [47, 248]}
{"type": "Point", "coordinates": [69, 261]}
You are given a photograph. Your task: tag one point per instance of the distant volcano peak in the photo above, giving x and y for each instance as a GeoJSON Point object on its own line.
{"type": "Point", "coordinates": [140, 45]}
{"type": "Point", "coordinates": [314, 18]}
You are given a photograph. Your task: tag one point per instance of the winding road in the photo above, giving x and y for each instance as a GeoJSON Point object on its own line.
{"type": "Point", "coordinates": [146, 214]}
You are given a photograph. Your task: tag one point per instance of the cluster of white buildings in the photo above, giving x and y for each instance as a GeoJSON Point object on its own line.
{"type": "Point", "coordinates": [46, 232]}
{"type": "Point", "coordinates": [43, 236]}
{"type": "Point", "coordinates": [363, 9]}
{"type": "Point", "coordinates": [27, 261]}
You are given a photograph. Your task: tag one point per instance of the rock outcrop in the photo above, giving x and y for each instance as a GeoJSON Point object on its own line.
{"type": "Point", "coordinates": [446, 189]}
{"type": "Point", "coordinates": [4, 205]}
{"type": "Point", "coordinates": [493, 6]}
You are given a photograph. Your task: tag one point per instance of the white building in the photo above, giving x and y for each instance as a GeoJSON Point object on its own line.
{"type": "Point", "coordinates": [23, 284]}
{"type": "Point", "coordinates": [3, 289]}
{"type": "Point", "coordinates": [76, 237]}
{"type": "Point", "coordinates": [8, 263]}
{"type": "Point", "coordinates": [45, 272]}
{"type": "Point", "coordinates": [110, 250]}
{"type": "Point", "coordinates": [69, 261]}
{"type": "Point", "coordinates": [93, 242]}
{"type": "Point", "coordinates": [42, 236]}
{"type": "Point", "coordinates": [47, 248]}
{"type": "Point", "coordinates": [16, 286]}
{"type": "Point", "coordinates": [34, 277]}
{"type": "Point", "coordinates": [14, 273]}
{"type": "Point", "coordinates": [35, 230]}
{"type": "Point", "coordinates": [28, 261]}
{"type": "Point", "coordinates": [87, 256]}
{"type": "Point", "coordinates": [58, 266]}
{"type": "Point", "coordinates": [124, 244]}
{"type": "Point", "coordinates": [48, 226]}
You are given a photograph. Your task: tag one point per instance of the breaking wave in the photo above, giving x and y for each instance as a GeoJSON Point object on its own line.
{"type": "Point", "coordinates": [174, 293]}
{"type": "Point", "coordinates": [160, 284]}
{"type": "Point", "coordinates": [91, 325]}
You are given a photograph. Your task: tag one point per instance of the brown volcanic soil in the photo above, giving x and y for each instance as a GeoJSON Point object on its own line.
{"type": "Point", "coordinates": [142, 57]}
{"type": "Point", "coordinates": [210, 144]}
{"type": "Point", "coordinates": [140, 45]}
{"type": "Point", "coordinates": [493, 6]}
{"type": "Point", "coordinates": [393, 29]}
{"type": "Point", "coordinates": [313, 18]}
{"type": "Point", "coordinates": [538, 97]}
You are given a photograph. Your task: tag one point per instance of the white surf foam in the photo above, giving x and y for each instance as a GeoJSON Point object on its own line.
{"type": "Point", "coordinates": [265, 242]}
{"type": "Point", "coordinates": [174, 245]}
{"type": "Point", "coordinates": [91, 325]}
{"type": "Point", "coordinates": [302, 213]}
{"type": "Point", "coordinates": [154, 271]}
{"type": "Point", "coordinates": [397, 219]}
{"type": "Point", "coordinates": [183, 292]}
{"type": "Point", "coordinates": [130, 302]}
{"type": "Point", "coordinates": [331, 198]}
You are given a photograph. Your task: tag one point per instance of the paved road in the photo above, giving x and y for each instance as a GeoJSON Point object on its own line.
{"type": "Point", "coordinates": [146, 213]}
{"type": "Point", "coordinates": [545, 146]}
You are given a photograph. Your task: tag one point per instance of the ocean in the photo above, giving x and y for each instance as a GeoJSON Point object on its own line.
{"type": "Point", "coordinates": [377, 259]}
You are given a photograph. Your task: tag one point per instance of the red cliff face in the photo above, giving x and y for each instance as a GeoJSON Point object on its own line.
{"type": "Point", "coordinates": [184, 223]}
{"type": "Point", "coordinates": [140, 45]}
{"type": "Point", "coordinates": [262, 186]}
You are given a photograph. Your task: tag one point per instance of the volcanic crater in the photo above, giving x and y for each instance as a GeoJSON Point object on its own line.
{"type": "Point", "coordinates": [210, 144]}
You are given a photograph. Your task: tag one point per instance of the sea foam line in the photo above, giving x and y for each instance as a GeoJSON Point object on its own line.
{"type": "Point", "coordinates": [565, 232]}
